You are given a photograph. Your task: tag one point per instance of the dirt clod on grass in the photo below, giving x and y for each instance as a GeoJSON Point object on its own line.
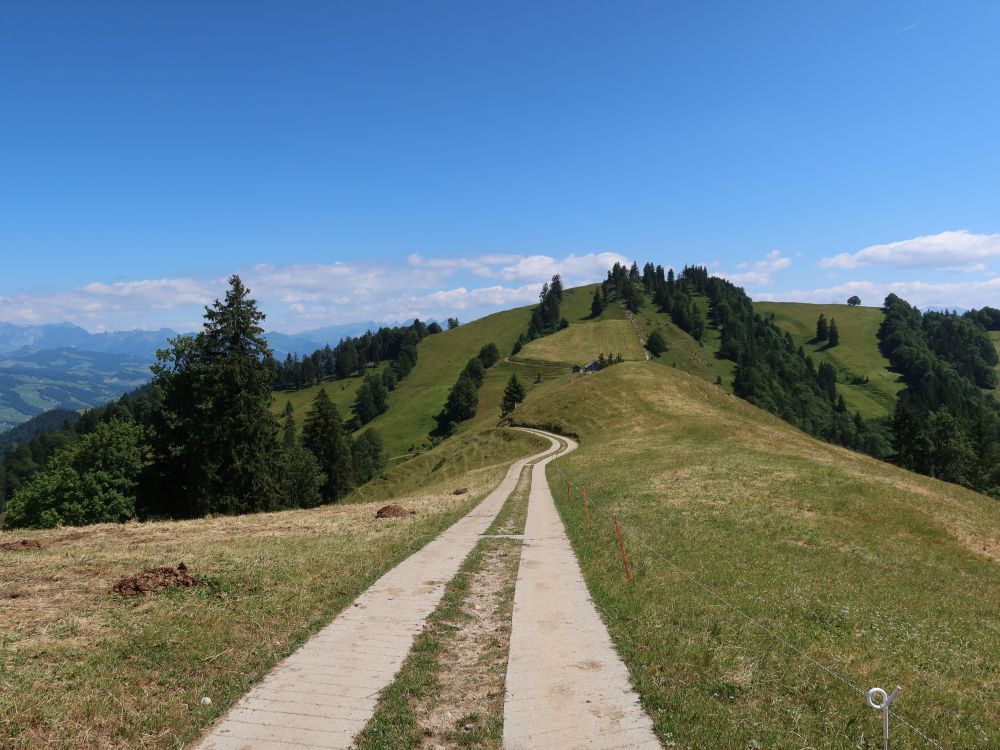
{"type": "Point", "coordinates": [460, 491]}
{"type": "Point", "coordinates": [21, 544]}
{"type": "Point", "coordinates": [156, 579]}
{"type": "Point", "coordinates": [393, 511]}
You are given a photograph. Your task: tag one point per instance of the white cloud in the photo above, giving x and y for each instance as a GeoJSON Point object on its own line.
{"type": "Point", "coordinates": [575, 269]}
{"type": "Point", "coordinates": [300, 296]}
{"type": "Point", "coordinates": [945, 251]}
{"type": "Point", "coordinates": [965, 294]}
{"type": "Point", "coordinates": [760, 272]}
{"type": "Point", "coordinates": [124, 304]}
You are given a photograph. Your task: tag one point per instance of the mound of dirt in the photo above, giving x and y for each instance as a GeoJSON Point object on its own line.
{"type": "Point", "coordinates": [21, 544]}
{"type": "Point", "coordinates": [393, 511]}
{"type": "Point", "coordinates": [157, 579]}
{"type": "Point", "coordinates": [460, 491]}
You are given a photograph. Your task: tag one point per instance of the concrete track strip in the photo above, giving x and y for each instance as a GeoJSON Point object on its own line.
{"type": "Point", "coordinates": [324, 694]}
{"type": "Point", "coordinates": [567, 687]}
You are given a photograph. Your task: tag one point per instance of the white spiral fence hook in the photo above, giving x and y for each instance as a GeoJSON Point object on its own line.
{"type": "Point", "coordinates": [880, 701]}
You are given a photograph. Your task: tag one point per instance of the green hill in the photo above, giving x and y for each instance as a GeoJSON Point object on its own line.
{"type": "Point", "coordinates": [406, 425]}
{"type": "Point", "coordinates": [864, 377]}
{"type": "Point", "coordinates": [883, 575]}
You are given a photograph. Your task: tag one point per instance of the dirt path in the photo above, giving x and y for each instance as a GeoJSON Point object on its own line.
{"type": "Point", "coordinates": [567, 687]}
{"type": "Point", "coordinates": [325, 693]}
{"type": "Point", "coordinates": [638, 332]}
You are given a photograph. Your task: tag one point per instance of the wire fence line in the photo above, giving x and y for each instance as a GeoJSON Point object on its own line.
{"type": "Point", "coordinates": [610, 514]}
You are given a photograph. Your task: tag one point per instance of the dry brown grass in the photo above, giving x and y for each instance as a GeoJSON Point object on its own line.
{"type": "Point", "coordinates": [81, 667]}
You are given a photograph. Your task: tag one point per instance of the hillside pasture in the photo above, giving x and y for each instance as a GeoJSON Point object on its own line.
{"type": "Point", "coordinates": [884, 576]}
{"type": "Point", "coordinates": [581, 343]}
{"type": "Point", "coordinates": [856, 358]}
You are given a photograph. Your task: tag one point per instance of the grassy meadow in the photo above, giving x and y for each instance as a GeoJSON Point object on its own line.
{"type": "Point", "coordinates": [581, 343]}
{"type": "Point", "coordinates": [885, 576]}
{"type": "Point", "coordinates": [857, 357]}
{"type": "Point", "coordinates": [83, 668]}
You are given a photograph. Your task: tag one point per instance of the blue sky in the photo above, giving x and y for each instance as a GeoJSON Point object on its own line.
{"type": "Point", "coordinates": [381, 160]}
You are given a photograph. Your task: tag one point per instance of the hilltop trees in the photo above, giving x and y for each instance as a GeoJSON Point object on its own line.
{"type": "Point", "coordinates": [854, 300]}
{"type": "Point", "coordinates": [215, 441]}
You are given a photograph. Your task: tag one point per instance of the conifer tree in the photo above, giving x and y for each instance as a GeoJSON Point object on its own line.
{"type": "Point", "coordinates": [368, 456]}
{"type": "Point", "coordinates": [216, 441]}
{"type": "Point", "coordinates": [325, 437]}
{"type": "Point", "coordinates": [556, 288]}
{"type": "Point", "coordinates": [597, 304]}
{"type": "Point", "coordinates": [290, 433]}
{"type": "Point", "coordinates": [364, 403]}
{"type": "Point", "coordinates": [822, 328]}
{"type": "Point", "coordinates": [513, 394]}
{"type": "Point", "coordinates": [347, 359]}
{"type": "Point", "coordinates": [834, 334]}
{"type": "Point", "coordinates": [461, 405]}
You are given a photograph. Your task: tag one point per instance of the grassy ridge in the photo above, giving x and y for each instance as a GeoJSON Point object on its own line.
{"type": "Point", "coordinates": [856, 357]}
{"type": "Point", "coordinates": [82, 668]}
{"type": "Point", "coordinates": [884, 575]}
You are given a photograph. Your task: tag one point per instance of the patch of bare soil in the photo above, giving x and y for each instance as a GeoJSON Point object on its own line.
{"type": "Point", "coordinates": [467, 708]}
{"type": "Point", "coordinates": [461, 491]}
{"type": "Point", "coordinates": [21, 544]}
{"type": "Point", "coordinates": [156, 579]}
{"type": "Point", "coordinates": [393, 511]}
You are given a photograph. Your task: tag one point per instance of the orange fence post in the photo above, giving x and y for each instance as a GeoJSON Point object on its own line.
{"type": "Point", "coordinates": [586, 506]}
{"type": "Point", "coordinates": [621, 546]}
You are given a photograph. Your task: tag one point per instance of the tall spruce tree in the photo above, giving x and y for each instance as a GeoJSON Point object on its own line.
{"type": "Point", "coordinates": [290, 434]}
{"type": "Point", "coordinates": [513, 394]}
{"type": "Point", "coordinates": [822, 328]}
{"type": "Point", "coordinates": [216, 441]}
{"type": "Point", "coordinates": [834, 337]}
{"type": "Point", "coordinates": [325, 437]}
{"type": "Point", "coordinates": [596, 304]}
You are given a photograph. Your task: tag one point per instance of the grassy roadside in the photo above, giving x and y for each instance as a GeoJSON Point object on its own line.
{"type": "Point", "coordinates": [514, 513]}
{"type": "Point", "coordinates": [885, 576]}
{"type": "Point", "coordinates": [450, 691]}
{"type": "Point", "coordinates": [83, 668]}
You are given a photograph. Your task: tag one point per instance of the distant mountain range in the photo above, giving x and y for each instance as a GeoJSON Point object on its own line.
{"type": "Point", "coordinates": [63, 366]}
{"type": "Point", "coordinates": [143, 344]}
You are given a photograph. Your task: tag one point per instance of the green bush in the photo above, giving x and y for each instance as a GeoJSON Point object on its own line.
{"type": "Point", "coordinates": [92, 481]}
